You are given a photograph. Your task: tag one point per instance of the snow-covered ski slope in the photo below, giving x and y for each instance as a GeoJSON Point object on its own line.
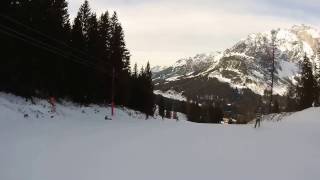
{"type": "Point", "coordinates": [78, 144]}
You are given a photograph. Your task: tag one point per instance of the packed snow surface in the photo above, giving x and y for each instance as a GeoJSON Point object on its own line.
{"type": "Point", "coordinates": [78, 144]}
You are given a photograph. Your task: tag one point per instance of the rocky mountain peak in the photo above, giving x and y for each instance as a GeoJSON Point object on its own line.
{"type": "Point", "coordinates": [247, 63]}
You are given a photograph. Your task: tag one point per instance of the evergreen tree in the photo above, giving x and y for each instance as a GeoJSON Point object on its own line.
{"type": "Point", "coordinates": [93, 37]}
{"type": "Point", "coordinates": [212, 114]}
{"type": "Point", "coordinates": [37, 69]}
{"type": "Point", "coordinates": [77, 76]}
{"type": "Point", "coordinates": [317, 89]}
{"type": "Point", "coordinates": [148, 91]}
{"type": "Point", "coordinates": [219, 115]}
{"type": "Point", "coordinates": [80, 59]}
{"type": "Point", "coordinates": [57, 28]}
{"type": "Point", "coordinates": [275, 107]}
{"type": "Point", "coordinates": [33, 63]}
{"type": "Point", "coordinates": [135, 71]}
{"type": "Point", "coordinates": [93, 44]}
{"type": "Point", "coordinates": [168, 113]}
{"type": "Point", "coordinates": [7, 45]}
{"type": "Point", "coordinates": [161, 107]}
{"type": "Point", "coordinates": [120, 59]}
{"type": "Point", "coordinates": [58, 19]}
{"type": "Point", "coordinates": [104, 31]}
{"type": "Point", "coordinates": [307, 87]}
{"type": "Point", "coordinates": [117, 45]}
{"type": "Point", "coordinates": [291, 96]}
{"type": "Point", "coordinates": [193, 112]}
{"type": "Point", "coordinates": [205, 117]}
{"type": "Point", "coordinates": [136, 89]}
{"type": "Point", "coordinates": [84, 16]}
{"type": "Point", "coordinates": [103, 64]}
{"type": "Point", "coordinates": [168, 108]}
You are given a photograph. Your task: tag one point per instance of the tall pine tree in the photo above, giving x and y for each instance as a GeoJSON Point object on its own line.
{"type": "Point", "coordinates": [148, 91]}
{"type": "Point", "coordinates": [120, 59]}
{"type": "Point", "coordinates": [307, 88]}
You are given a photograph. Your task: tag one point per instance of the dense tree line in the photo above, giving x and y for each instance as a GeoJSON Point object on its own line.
{"type": "Point", "coordinates": [207, 112]}
{"type": "Point", "coordinates": [305, 93]}
{"type": "Point", "coordinates": [168, 108]}
{"type": "Point", "coordinates": [142, 98]}
{"type": "Point", "coordinates": [44, 55]}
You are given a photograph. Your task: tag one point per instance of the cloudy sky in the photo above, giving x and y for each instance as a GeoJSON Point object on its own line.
{"type": "Point", "coordinates": [162, 31]}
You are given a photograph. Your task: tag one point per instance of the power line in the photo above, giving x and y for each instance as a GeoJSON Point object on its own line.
{"type": "Point", "coordinates": [36, 44]}
{"type": "Point", "coordinates": [69, 56]}
{"type": "Point", "coordinates": [44, 35]}
{"type": "Point", "coordinates": [59, 42]}
{"type": "Point", "coordinates": [39, 44]}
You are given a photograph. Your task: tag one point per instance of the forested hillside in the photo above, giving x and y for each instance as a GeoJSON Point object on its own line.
{"type": "Point", "coordinates": [45, 54]}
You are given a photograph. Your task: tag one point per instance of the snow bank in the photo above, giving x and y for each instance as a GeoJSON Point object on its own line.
{"type": "Point", "coordinates": [83, 146]}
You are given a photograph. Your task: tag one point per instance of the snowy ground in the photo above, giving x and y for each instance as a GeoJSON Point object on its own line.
{"type": "Point", "coordinates": [78, 144]}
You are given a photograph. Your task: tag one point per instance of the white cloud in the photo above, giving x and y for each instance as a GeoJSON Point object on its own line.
{"type": "Point", "coordinates": [164, 31]}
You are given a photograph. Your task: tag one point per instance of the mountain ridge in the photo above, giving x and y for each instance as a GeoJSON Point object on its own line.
{"type": "Point", "coordinates": [246, 65]}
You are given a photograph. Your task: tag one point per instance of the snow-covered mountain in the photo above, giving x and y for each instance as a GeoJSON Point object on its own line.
{"type": "Point", "coordinates": [247, 64]}
{"type": "Point", "coordinates": [156, 69]}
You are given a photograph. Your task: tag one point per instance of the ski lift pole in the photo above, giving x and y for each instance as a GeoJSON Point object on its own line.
{"type": "Point", "coordinates": [112, 95]}
{"type": "Point", "coordinates": [52, 102]}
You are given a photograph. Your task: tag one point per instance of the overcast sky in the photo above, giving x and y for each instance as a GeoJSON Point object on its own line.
{"type": "Point", "coordinates": [162, 31]}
